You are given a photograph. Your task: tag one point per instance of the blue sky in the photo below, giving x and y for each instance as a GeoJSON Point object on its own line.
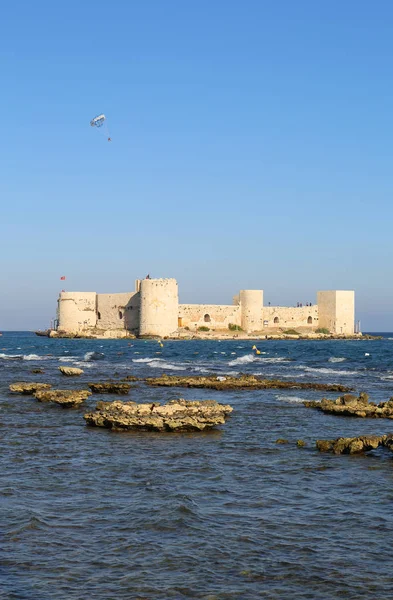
{"type": "Point", "coordinates": [252, 148]}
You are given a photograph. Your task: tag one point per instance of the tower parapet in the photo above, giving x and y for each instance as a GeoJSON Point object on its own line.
{"type": "Point", "coordinates": [251, 302]}
{"type": "Point", "coordinates": [159, 307]}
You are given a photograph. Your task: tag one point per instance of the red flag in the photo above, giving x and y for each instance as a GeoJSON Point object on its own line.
{"type": "Point", "coordinates": [62, 278]}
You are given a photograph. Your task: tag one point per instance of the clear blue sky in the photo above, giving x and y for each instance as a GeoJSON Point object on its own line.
{"type": "Point", "coordinates": [252, 148]}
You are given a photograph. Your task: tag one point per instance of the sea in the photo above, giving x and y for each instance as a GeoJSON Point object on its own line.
{"type": "Point", "coordinates": [227, 514]}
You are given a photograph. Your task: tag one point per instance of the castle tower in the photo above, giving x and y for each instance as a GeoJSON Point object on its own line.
{"type": "Point", "coordinates": [336, 310]}
{"type": "Point", "coordinates": [251, 302]}
{"type": "Point", "coordinates": [159, 307]}
{"type": "Point", "coordinates": [76, 311]}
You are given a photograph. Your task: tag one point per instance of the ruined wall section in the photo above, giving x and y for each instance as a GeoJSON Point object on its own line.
{"type": "Point", "coordinates": [76, 311]}
{"type": "Point", "coordinates": [159, 307]}
{"type": "Point", "coordinates": [283, 317]}
{"type": "Point", "coordinates": [337, 311]}
{"type": "Point", "coordinates": [118, 311]}
{"type": "Point", "coordinates": [208, 315]}
{"type": "Point", "coordinates": [251, 302]}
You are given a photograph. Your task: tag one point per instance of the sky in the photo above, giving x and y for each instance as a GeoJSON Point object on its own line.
{"type": "Point", "coordinates": [252, 147]}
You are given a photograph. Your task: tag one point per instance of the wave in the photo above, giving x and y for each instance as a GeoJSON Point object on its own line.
{"type": "Point", "coordinates": [23, 357]}
{"type": "Point", "coordinates": [290, 399]}
{"type": "Point", "coordinates": [93, 356]}
{"type": "Point", "coordinates": [145, 360]}
{"type": "Point", "coordinates": [158, 363]}
{"type": "Point", "coordinates": [326, 371]}
{"type": "Point", "coordinates": [336, 359]}
{"type": "Point", "coordinates": [67, 358]}
{"type": "Point", "coordinates": [243, 360]}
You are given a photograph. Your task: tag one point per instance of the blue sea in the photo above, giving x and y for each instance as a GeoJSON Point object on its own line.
{"type": "Point", "coordinates": [228, 514]}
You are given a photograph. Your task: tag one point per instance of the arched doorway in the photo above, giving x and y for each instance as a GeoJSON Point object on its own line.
{"type": "Point", "coordinates": [206, 318]}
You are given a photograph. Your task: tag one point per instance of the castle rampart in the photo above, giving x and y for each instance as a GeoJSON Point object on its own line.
{"type": "Point", "coordinates": [154, 309]}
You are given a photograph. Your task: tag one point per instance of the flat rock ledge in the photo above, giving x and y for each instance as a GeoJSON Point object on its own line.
{"type": "Point", "coordinates": [71, 371]}
{"type": "Point", "coordinates": [65, 398]}
{"type": "Point", "coordinates": [243, 382]}
{"type": "Point", "coordinates": [110, 387]}
{"type": "Point", "coordinates": [355, 445]}
{"type": "Point", "coordinates": [28, 389]}
{"type": "Point", "coordinates": [354, 406]}
{"type": "Point", "coordinates": [177, 415]}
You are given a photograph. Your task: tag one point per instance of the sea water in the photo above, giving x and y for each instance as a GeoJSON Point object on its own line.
{"type": "Point", "coordinates": [228, 514]}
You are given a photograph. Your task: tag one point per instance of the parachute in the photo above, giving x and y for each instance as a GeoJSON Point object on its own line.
{"type": "Point", "coordinates": [99, 121]}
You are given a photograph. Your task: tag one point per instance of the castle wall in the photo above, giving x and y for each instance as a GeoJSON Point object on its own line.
{"type": "Point", "coordinates": [337, 311]}
{"type": "Point", "coordinates": [76, 311]}
{"type": "Point", "coordinates": [290, 317]}
{"type": "Point", "coordinates": [159, 307]}
{"type": "Point", "coordinates": [118, 311]}
{"type": "Point", "coordinates": [208, 315]}
{"type": "Point", "coordinates": [251, 302]}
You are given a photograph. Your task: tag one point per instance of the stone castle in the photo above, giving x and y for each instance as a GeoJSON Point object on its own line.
{"type": "Point", "coordinates": [154, 309]}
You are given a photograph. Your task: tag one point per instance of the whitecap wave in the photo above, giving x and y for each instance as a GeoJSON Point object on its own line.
{"type": "Point", "coordinates": [336, 359]}
{"type": "Point", "coordinates": [67, 359]}
{"type": "Point", "coordinates": [158, 363]}
{"type": "Point", "coordinates": [243, 360]}
{"type": "Point", "coordinates": [327, 371]}
{"type": "Point", "coordinates": [93, 356]}
{"type": "Point", "coordinates": [11, 356]}
{"type": "Point", "coordinates": [23, 357]}
{"type": "Point", "coordinates": [290, 399]}
{"type": "Point", "coordinates": [145, 360]}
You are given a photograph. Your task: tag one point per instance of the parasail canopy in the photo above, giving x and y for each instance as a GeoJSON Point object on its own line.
{"type": "Point", "coordinates": [98, 121]}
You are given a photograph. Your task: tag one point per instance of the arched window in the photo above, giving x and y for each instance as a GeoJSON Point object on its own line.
{"type": "Point", "coordinates": [120, 314]}
{"type": "Point", "coordinates": [276, 320]}
{"type": "Point", "coordinates": [206, 318]}
{"type": "Point", "coordinates": [98, 315]}
{"type": "Point", "coordinates": [309, 320]}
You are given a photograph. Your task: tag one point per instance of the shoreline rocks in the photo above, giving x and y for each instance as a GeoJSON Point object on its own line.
{"type": "Point", "coordinates": [70, 371]}
{"type": "Point", "coordinates": [355, 445]}
{"type": "Point", "coordinates": [177, 415]}
{"type": "Point", "coordinates": [110, 387]}
{"type": "Point", "coordinates": [354, 406]}
{"type": "Point", "coordinates": [65, 398]}
{"type": "Point", "coordinates": [244, 382]}
{"type": "Point", "coordinates": [27, 388]}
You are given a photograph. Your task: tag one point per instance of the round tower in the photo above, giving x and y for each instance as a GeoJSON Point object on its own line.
{"type": "Point", "coordinates": [159, 308]}
{"type": "Point", "coordinates": [251, 302]}
{"type": "Point", "coordinates": [76, 311]}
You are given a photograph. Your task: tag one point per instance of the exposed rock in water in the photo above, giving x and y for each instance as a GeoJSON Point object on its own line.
{"type": "Point", "coordinates": [130, 378]}
{"type": "Point", "coordinates": [300, 443]}
{"type": "Point", "coordinates": [110, 387]}
{"type": "Point", "coordinates": [281, 441]}
{"type": "Point", "coordinates": [26, 388]}
{"type": "Point", "coordinates": [354, 406]}
{"type": "Point", "coordinates": [66, 398]}
{"type": "Point", "coordinates": [70, 371]}
{"type": "Point", "coordinates": [354, 445]}
{"type": "Point", "coordinates": [243, 382]}
{"type": "Point", "coordinates": [177, 415]}
{"type": "Point", "coordinates": [37, 371]}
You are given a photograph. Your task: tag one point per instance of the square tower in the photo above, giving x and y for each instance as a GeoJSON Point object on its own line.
{"type": "Point", "coordinates": [336, 309]}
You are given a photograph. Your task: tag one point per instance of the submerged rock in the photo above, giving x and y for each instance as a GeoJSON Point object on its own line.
{"type": "Point", "coordinates": [244, 382]}
{"type": "Point", "coordinates": [70, 371]}
{"type": "Point", "coordinates": [177, 415]}
{"type": "Point", "coordinates": [355, 445]}
{"type": "Point", "coordinates": [354, 406]}
{"type": "Point", "coordinates": [66, 398]}
{"type": "Point", "coordinates": [26, 388]}
{"type": "Point", "coordinates": [109, 387]}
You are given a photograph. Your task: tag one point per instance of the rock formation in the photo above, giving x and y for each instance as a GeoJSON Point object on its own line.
{"type": "Point", "coordinates": [177, 415]}
{"type": "Point", "coordinates": [70, 371]}
{"type": "Point", "coordinates": [355, 445]}
{"type": "Point", "coordinates": [110, 387]}
{"type": "Point", "coordinates": [354, 406]}
{"type": "Point", "coordinates": [66, 398]}
{"type": "Point", "coordinates": [242, 382]}
{"type": "Point", "coordinates": [29, 389]}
